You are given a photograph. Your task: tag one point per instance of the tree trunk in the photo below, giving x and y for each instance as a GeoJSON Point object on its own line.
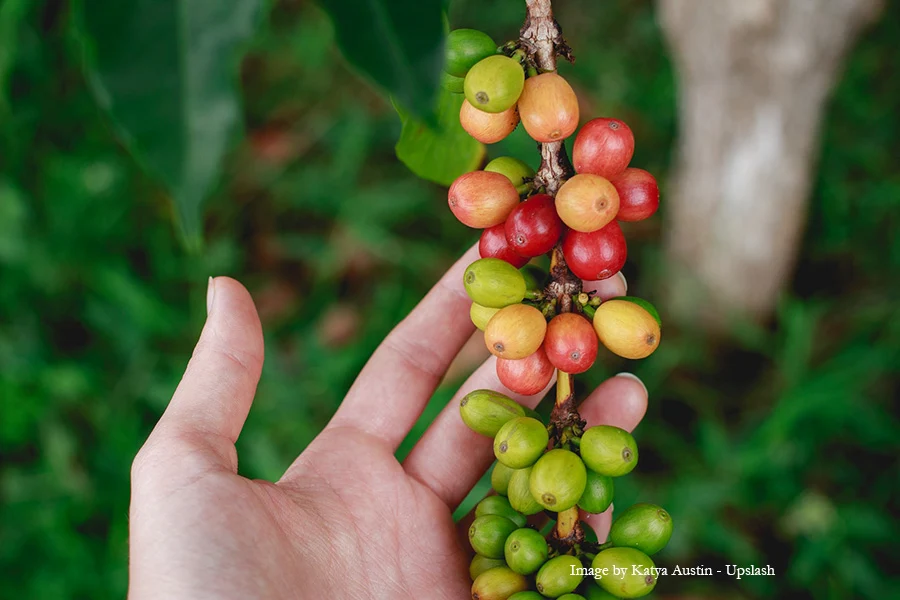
{"type": "Point", "coordinates": [754, 76]}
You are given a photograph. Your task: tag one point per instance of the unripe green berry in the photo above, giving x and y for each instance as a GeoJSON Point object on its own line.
{"type": "Point", "coordinates": [480, 315]}
{"type": "Point", "coordinates": [592, 591]}
{"type": "Point", "coordinates": [640, 572]}
{"type": "Point", "coordinates": [519, 493]}
{"type": "Point", "coordinates": [465, 48]}
{"type": "Point", "coordinates": [529, 595]}
{"type": "Point", "coordinates": [480, 564]}
{"type": "Point", "coordinates": [494, 84]}
{"type": "Point", "coordinates": [558, 480]}
{"type": "Point", "coordinates": [609, 450]}
{"type": "Point", "coordinates": [520, 442]}
{"type": "Point", "coordinates": [488, 534]}
{"type": "Point", "coordinates": [556, 576]}
{"type": "Point", "coordinates": [452, 84]}
{"type": "Point", "coordinates": [498, 583]}
{"type": "Point", "coordinates": [486, 411]}
{"type": "Point", "coordinates": [494, 283]}
{"type": "Point", "coordinates": [500, 476]}
{"type": "Point", "coordinates": [647, 527]}
{"type": "Point", "coordinates": [525, 551]}
{"type": "Point", "coordinates": [598, 493]}
{"type": "Point", "coordinates": [515, 170]}
{"type": "Point", "coordinates": [498, 505]}
{"type": "Point", "coordinates": [571, 597]}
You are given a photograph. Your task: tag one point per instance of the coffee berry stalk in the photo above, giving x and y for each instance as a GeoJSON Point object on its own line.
{"type": "Point", "coordinates": [539, 324]}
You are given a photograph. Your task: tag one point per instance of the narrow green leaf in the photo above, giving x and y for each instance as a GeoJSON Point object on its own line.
{"type": "Point", "coordinates": [398, 44]}
{"type": "Point", "coordinates": [442, 152]}
{"type": "Point", "coordinates": [166, 71]}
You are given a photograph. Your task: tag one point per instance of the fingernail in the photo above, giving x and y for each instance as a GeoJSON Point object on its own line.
{"type": "Point", "coordinates": [635, 377]}
{"type": "Point", "coordinates": [624, 281]}
{"type": "Point", "coordinates": [210, 295]}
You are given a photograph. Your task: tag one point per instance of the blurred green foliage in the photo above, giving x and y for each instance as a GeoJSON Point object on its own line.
{"type": "Point", "coordinates": [775, 445]}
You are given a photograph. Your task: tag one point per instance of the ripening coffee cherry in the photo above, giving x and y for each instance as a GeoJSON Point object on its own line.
{"type": "Point", "coordinates": [647, 527]}
{"type": "Point", "coordinates": [480, 315]}
{"type": "Point", "coordinates": [517, 171]}
{"type": "Point", "coordinates": [488, 534]}
{"type": "Point", "coordinates": [494, 84]}
{"type": "Point", "coordinates": [609, 450]}
{"type": "Point", "coordinates": [596, 255]}
{"type": "Point", "coordinates": [639, 577]}
{"type": "Point", "coordinates": [486, 411]}
{"type": "Point", "coordinates": [498, 583]}
{"type": "Point", "coordinates": [558, 479]}
{"type": "Point", "coordinates": [493, 244]}
{"type": "Point", "coordinates": [638, 194]}
{"type": "Point", "coordinates": [494, 283]}
{"type": "Point", "coordinates": [487, 128]}
{"type": "Point", "coordinates": [515, 332]}
{"type": "Point", "coordinates": [481, 199]}
{"type": "Point", "coordinates": [587, 202]}
{"type": "Point", "coordinates": [556, 576]}
{"type": "Point", "coordinates": [452, 84]}
{"type": "Point", "coordinates": [500, 476]}
{"type": "Point", "coordinates": [598, 493]}
{"type": "Point", "coordinates": [519, 492]}
{"type": "Point", "coordinates": [643, 304]}
{"type": "Point", "coordinates": [626, 328]}
{"type": "Point", "coordinates": [533, 227]}
{"type": "Point", "coordinates": [480, 564]}
{"type": "Point", "coordinates": [603, 147]}
{"type": "Point", "coordinates": [527, 595]}
{"type": "Point", "coordinates": [548, 108]}
{"type": "Point", "coordinates": [520, 442]}
{"type": "Point", "coordinates": [525, 551]}
{"type": "Point", "coordinates": [529, 375]}
{"type": "Point", "coordinates": [498, 505]}
{"type": "Point", "coordinates": [571, 343]}
{"type": "Point", "coordinates": [465, 48]}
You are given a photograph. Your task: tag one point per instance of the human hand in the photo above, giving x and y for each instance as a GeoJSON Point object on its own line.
{"type": "Point", "coordinates": [346, 520]}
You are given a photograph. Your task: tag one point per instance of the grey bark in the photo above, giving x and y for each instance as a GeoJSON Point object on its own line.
{"type": "Point", "coordinates": [754, 76]}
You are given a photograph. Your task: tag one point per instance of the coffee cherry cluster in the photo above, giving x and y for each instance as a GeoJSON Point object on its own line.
{"type": "Point", "coordinates": [533, 483]}
{"type": "Point", "coordinates": [539, 324]}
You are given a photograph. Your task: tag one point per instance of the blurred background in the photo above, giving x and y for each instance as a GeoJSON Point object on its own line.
{"type": "Point", "coordinates": [772, 430]}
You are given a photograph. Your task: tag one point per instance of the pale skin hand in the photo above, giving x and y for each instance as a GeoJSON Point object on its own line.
{"type": "Point", "coordinates": [346, 520]}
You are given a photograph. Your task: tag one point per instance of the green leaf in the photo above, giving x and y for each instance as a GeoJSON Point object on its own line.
{"type": "Point", "coordinates": [166, 71]}
{"type": "Point", "coordinates": [398, 44]}
{"type": "Point", "coordinates": [12, 16]}
{"type": "Point", "coordinates": [442, 152]}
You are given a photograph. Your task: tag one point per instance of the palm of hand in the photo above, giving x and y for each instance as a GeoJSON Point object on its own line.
{"type": "Point", "coordinates": [347, 520]}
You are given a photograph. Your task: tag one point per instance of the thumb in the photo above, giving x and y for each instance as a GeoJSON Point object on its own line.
{"type": "Point", "coordinates": [217, 389]}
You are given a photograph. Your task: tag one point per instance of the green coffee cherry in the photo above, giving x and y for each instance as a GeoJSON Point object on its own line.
{"type": "Point", "coordinates": [525, 551]}
{"type": "Point", "coordinates": [486, 411]}
{"type": "Point", "coordinates": [609, 450]}
{"type": "Point", "coordinates": [558, 480]}
{"type": "Point", "coordinates": [488, 534]}
{"type": "Point", "coordinates": [480, 564]}
{"type": "Point", "coordinates": [598, 493]}
{"type": "Point", "coordinates": [592, 591]}
{"type": "Point", "coordinates": [452, 84]}
{"type": "Point", "coordinates": [526, 596]}
{"type": "Point", "coordinates": [643, 304]}
{"type": "Point", "coordinates": [520, 442]}
{"type": "Point", "coordinates": [519, 493]}
{"type": "Point", "coordinates": [480, 315]}
{"type": "Point", "coordinates": [498, 505]}
{"type": "Point", "coordinates": [556, 576]}
{"type": "Point", "coordinates": [646, 527]}
{"type": "Point", "coordinates": [515, 170]}
{"type": "Point", "coordinates": [498, 583]}
{"type": "Point", "coordinates": [640, 572]}
{"type": "Point", "coordinates": [465, 48]}
{"type": "Point", "coordinates": [494, 283]}
{"type": "Point", "coordinates": [494, 84]}
{"type": "Point", "coordinates": [500, 476]}
{"type": "Point", "coordinates": [571, 597]}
